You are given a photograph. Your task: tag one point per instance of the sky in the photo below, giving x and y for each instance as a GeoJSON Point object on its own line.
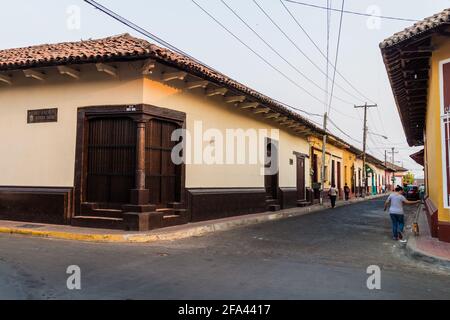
{"type": "Point", "coordinates": [185, 26]}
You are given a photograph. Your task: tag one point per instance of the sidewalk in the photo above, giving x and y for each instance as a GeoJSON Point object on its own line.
{"type": "Point", "coordinates": [166, 234]}
{"type": "Point", "coordinates": [426, 248]}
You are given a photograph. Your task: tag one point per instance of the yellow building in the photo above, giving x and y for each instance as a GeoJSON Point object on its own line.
{"type": "Point", "coordinates": [334, 164]}
{"type": "Point", "coordinates": [418, 64]}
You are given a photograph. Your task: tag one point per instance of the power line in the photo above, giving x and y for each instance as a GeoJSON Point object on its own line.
{"type": "Point", "coordinates": [297, 22]}
{"type": "Point", "coordinates": [352, 12]}
{"type": "Point", "coordinates": [337, 56]}
{"type": "Point", "coordinates": [299, 49]}
{"type": "Point", "coordinates": [328, 54]}
{"type": "Point", "coordinates": [144, 32]}
{"type": "Point", "coordinates": [164, 43]}
{"type": "Point", "coordinates": [343, 132]}
{"type": "Point", "coordinates": [257, 54]}
{"type": "Point", "coordinates": [275, 51]}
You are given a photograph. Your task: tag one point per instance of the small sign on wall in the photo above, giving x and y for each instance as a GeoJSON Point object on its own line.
{"type": "Point", "coordinates": [42, 115]}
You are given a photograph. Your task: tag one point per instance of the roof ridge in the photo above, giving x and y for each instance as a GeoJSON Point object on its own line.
{"type": "Point", "coordinates": [118, 36]}
{"type": "Point", "coordinates": [417, 28]}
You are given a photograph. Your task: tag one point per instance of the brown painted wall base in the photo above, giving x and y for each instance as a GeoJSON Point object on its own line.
{"type": "Point", "coordinates": [432, 217]}
{"type": "Point", "coordinates": [287, 197]}
{"type": "Point", "coordinates": [207, 204]}
{"type": "Point", "coordinates": [44, 205]}
{"type": "Point", "coordinates": [444, 231]}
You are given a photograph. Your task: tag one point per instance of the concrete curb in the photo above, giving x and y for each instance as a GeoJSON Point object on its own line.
{"type": "Point", "coordinates": [413, 252]}
{"type": "Point", "coordinates": [180, 232]}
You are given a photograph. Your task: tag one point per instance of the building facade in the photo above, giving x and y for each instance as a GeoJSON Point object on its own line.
{"type": "Point", "coordinates": [418, 65]}
{"type": "Point", "coordinates": [120, 133]}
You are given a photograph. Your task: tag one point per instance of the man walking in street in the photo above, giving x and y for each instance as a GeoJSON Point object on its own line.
{"type": "Point", "coordinates": [347, 192]}
{"type": "Point", "coordinates": [395, 202]}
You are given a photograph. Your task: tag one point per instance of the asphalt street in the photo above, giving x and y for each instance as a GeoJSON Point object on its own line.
{"type": "Point", "coordinates": [323, 255]}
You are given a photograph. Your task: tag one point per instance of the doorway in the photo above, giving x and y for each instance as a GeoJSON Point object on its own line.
{"type": "Point", "coordinates": [271, 169]}
{"type": "Point", "coordinates": [111, 148]}
{"type": "Point", "coordinates": [163, 177]}
{"type": "Point", "coordinates": [109, 139]}
{"type": "Point", "coordinates": [301, 188]}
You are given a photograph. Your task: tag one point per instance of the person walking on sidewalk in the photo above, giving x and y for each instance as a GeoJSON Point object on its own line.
{"type": "Point", "coordinates": [395, 202]}
{"type": "Point", "coordinates": [333, 195]}
{"type": "Point", "coordinates": [422, 192]}
{"type": "Point", "coordinates": [347, 192]}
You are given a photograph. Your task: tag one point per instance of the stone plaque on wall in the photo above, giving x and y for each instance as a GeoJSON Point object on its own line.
{"type": "Point", "coordinates": [42, 115]}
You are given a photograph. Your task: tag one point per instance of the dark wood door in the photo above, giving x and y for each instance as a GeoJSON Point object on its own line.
{"type": "Point", "coordinates": [271, 178]}
{"type": "Point", "coordinates": [333, 173]}
{"type": "Point", "coordinates": [338, 169]}
{"type": "Point", "coordinates": [163, 177]}
{"type": "Point", "coordinates": [111, 160]}
{"type": "Point", "coordinates": [301, 191]}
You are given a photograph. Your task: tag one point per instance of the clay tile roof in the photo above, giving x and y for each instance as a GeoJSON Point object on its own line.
{"type": "Point", "coordinates": [395, 168]}
{"type": "Point", "coordinates": [419, 27]}
{"type": "Point", "coordinates": [73, 52]}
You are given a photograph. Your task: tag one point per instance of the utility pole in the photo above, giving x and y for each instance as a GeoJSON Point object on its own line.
{"type": "Point", "coordinates": [385, 170]}
{"type": "Point", "coordinates": [365, 106]}
{"type": "Point", "coordinates": [393, 153]}
{"type": "Point", "coordinates": [324, 142]}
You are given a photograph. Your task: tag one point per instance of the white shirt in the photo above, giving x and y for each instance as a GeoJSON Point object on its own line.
{"type": "Point", "coordinates": [396, 206]}
{"type": "Point", "coordinates": [333, 192]}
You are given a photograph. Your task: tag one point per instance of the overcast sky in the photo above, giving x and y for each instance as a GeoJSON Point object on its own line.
{"type": "Point", "coordinates": [184, 25]}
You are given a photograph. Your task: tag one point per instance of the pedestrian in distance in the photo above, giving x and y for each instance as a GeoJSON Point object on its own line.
{"type": "Point", "coordinates": [395, 202]}
{"type": "Point", "coordinates": [422, 192]}
{"type": "Point", "coordinates": [347, 192]}
{"type": "Point", "coordinates": [333, 193]}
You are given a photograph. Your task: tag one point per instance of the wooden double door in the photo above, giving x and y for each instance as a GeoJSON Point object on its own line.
{"type": "Point", "coordinates": [111, 161]}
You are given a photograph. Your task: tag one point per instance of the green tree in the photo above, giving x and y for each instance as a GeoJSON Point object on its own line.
{"type": "Point", "coordinates": [408, 178]}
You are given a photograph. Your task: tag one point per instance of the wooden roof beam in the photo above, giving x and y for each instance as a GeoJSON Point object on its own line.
{"type": "Point", "coordinates": [148, 67]}
{"type": "Point", "coordinates": [35, 75]}
{"type": "Point", "coordinates": [249, 105]}
{"type": "Point", "coordinates": [179, 75]}
{"type": "Point", "coordinates": [197, 84]}
{"type": "Point", "coordinates": [6, 79]}
{"type": "Point", "coordinates": [262, 110]}
{"type": "Point", "coordinates": [281, 119]}
{"type": "Point", "coordinates": [273, 115]}
{"type": "Point", "coordinates": [217, 92]}
{"type": "Point", "coordinates": [64, 70]}
{"type": "Point", "coordinates": [234, 99]}
{"type": "Point", "coordinates": [110, 70]}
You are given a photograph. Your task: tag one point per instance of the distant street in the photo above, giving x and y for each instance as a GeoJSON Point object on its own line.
{"type": "Point", "coordinates": [321, 255]}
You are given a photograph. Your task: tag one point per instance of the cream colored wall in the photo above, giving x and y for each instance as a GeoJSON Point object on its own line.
{"type": "Point", "coordinates": [433, 130]}
{"type": "Point", "coordinates": [44, 154]}
{"type": "Point", "coordinates": [215, 114]}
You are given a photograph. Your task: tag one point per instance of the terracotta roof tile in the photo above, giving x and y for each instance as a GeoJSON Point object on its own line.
{"type": "Point", "coordinates": [73, 52]}
{"type": "Point", "coordinates": [419, 27]}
